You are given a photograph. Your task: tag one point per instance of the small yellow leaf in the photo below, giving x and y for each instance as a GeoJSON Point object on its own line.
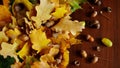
{"type": "Point", "coordinates": [24, 51]}
{"type": "Point", "coordinates": [60, 12]}
{"type": "Point", "coordinates": [13, 33]}
{"type": "Point", "coordinates": [39, 40]}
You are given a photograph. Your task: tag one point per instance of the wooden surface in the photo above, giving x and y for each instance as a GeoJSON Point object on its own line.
{"type": "Point", "coordinates": [110, 27]}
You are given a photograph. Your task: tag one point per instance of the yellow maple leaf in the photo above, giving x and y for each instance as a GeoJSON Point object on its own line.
{"type": "Point", "coordinates": [69, 26]}
{"type": "Point", "coordinates": [38, 39]}
{"type": "Point", "coordinates": [9, 50]}
{"type": "Point", "coordinates": [24, 51]}
{"type": "Point", "coordinates": [43, 12]}
{"type": "Point", "coordinates": [60, 12]}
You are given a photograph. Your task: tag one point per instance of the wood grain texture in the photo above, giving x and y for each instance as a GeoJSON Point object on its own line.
{"type": "Point", "coordinates": [110, 28]}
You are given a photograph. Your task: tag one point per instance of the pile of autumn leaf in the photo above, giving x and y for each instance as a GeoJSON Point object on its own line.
{"type": "Point", "coordinates": [44, 38]}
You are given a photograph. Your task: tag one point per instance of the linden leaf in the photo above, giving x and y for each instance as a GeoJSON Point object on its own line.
{"type": "Point", "coordinates": [43, 12]}
{"type": "Point", "coordinates": [38, 39]}
{"type": "Point", "coordinates": [60, 12]}
{"type": "Point", "coordinates": [68, 25]}
{"type": "Point", "coordinates": [9, 50]}
{"type": "Point", "coordinates": [24, 51]}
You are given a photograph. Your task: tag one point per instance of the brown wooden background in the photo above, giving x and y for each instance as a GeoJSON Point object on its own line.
{"type": "Point", "coordinates": [110, 27]}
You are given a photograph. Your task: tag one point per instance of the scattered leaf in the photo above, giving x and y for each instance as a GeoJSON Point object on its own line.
{"type": "Point", "coordinates": [24, 51]}
{"type": "Point", "coordinates": [68, 25]}
{"type": "Point", "coordinates": [6, 62]}
{"type": "Point", "coordinates": [5, 15]}
{"type": "Point", "coordinates": [44, 10]}
{"type": "Point", "coordinates": [13, 33]}
{"type": "Point", "coordinates": [39, 40]}
{"type": "Point", "coordinates": [75, 4]}
{"type": "Point", "coordinates": [9, 50]}
{"type": "Point", "coordinates": [60, 12]}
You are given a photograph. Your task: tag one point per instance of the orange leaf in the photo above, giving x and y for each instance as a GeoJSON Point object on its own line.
{"type": "Point", "coordinates": [6, 3]}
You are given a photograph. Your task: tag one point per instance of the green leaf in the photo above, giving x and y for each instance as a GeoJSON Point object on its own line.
{"type": "Point", "coordinates": [6, 62]}
{"type": "Point", "coordinates": [75, 4]}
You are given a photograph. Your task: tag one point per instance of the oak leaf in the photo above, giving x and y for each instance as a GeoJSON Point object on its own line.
{"type": "Point", "coordinates": [69, 26]}
{"type": "Point", "coordinates": [9, 50]}
{"type": "Point", "coordinates": [44, 10]}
